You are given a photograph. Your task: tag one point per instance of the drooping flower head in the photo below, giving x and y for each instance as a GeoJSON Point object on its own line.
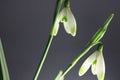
{"type": "Point", "coordinates": [67, 18]}
{"type": "Point", "coordinates": [97, 64]}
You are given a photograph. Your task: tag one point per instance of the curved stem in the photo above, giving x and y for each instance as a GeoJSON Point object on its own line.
{"type": "Point", "coordinates": [43, 58]}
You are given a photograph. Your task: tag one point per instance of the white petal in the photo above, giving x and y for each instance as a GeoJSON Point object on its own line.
{"type": "Point", "coordinates": [62, 14]}
{"type": "Point", "coordinates": [56, 24]}
{"type": "Point", "coordinates": [55, 27]}
{"type": "Point", "coordinates": [70, 24]}
{"type": "Point", "coordinates": [58, 20]}
{"type": "Point", "coordinates": [100, 67]}
{"type": "Point", "coordinates": [86, 65]}
{"type": "Point", "coordinates": [93, 67]}
{"type": "Point", "coordinates": [61, 78]}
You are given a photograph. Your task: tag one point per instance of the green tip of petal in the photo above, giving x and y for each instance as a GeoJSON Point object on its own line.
{"type": "Point", "coordinates": [112, 14]}
{"type": "Point", "coordinates": [73, 31]}
{"type": "Point", "coordinates": [64, 19]}
{"type": "Point", "coordinates": [81, 71]}
{"type": "Point", "coordinates": [101, 76]}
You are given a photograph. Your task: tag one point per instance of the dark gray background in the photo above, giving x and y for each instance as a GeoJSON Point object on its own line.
{"type": "Point", "coordinates": [25, 27]}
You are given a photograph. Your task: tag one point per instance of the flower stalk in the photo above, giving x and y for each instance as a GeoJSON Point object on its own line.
{"type": "Point", "coordinates": [43, 58]}
{"type": "Point", "coordinates": [40, 65]}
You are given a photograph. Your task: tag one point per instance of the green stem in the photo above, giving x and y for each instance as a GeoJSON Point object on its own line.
{"type": "Point", "coordinates": [57, 9]}
{"type": "Point", "coordinates": [67, 3]}
{"type": "Point", "coordinates": [3, 64]}
{"type": "Point", "coordinates": [43, 58]}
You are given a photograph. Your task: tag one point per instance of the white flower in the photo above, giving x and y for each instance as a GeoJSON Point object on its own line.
{"type": "Point", "coordinates": [67, 18]}
{"type": "Point", "coordinates": [96, 61]}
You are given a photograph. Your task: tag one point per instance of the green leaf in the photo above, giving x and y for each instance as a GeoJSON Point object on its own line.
{"type": "Point", "coordinates": [4, 69]}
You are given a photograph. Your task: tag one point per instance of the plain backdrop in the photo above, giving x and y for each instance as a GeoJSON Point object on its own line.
{"type": "Point", "coordinates": [25, 26]}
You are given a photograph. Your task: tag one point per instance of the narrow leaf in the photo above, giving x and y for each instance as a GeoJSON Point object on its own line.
{"type": "Point", "coordinates": [4, 68]}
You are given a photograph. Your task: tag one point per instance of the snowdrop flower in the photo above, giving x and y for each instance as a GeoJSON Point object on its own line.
{"type": "Point", "coordinates": [96, 61]}
{"type": "Point", "coordinates": [68, 19]}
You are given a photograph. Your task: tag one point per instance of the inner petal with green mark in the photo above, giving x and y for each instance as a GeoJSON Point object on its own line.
{"type": "Point", "coordinates": [64, 19]}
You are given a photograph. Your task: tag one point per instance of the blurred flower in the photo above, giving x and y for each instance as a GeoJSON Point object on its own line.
{"type": "Point", "coordinates": [67, 18]}
{"type": "Point", "coordinates": [96, 61]}
{"type": "Point", "coordinates": [59, 76]}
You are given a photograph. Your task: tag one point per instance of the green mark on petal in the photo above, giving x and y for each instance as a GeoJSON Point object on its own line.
{"type": "Point", "coordinates": [64, 19]}
{"type": "Point", "coordinates": [81, 71]}
{"type": "Point", "coordinates": [95, 61]}
{"type": "Point", "coordinates": [100, 76]}
{"type": "Point", "coordinates": [93, 67]}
